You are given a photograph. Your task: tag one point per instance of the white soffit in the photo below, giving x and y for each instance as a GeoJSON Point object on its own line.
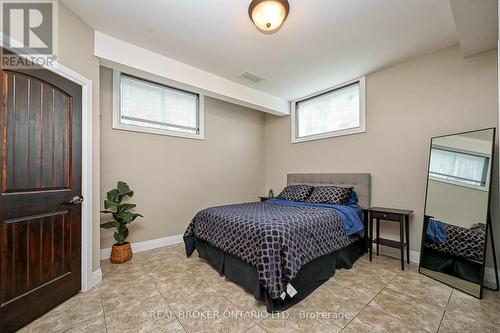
{"type": "Point", "coordinates": [477, 25]}
{"type": "Point", "coordinates": [113, 50]}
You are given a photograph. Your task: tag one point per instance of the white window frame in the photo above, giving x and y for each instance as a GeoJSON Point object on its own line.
{"type": "Point", "coordinates": [356, 130]}
{"type": "Point", "coordinates": [484, 188]}
{"type": "Point", "coordinates": [136, 128]}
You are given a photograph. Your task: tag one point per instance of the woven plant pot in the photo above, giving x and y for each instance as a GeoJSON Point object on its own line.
{"type": "Point", "coordinates": [121, 253]}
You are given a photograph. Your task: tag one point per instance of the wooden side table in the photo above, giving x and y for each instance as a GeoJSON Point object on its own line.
{"type": "Point", "coordinates": [402, 216]}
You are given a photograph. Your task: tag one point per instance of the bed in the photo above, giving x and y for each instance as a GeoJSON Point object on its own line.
{"type": "Point", "coordinates": [454, 250]}
{"type": "Point", "coordinates": [280, 250]}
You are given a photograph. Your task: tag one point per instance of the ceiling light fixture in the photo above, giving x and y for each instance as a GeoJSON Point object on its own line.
{"type": "Point", "coordinates": [268, 15]}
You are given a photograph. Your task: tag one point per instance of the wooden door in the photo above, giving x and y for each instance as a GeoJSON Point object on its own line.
{"type": "Point", "coordinates": [40, 161]}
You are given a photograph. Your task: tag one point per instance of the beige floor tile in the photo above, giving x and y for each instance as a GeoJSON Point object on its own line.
{"type": "Point", "coordinates": [124, 302]}
{"type": "Point", "coordinates": [171, 327]}
{"type": "Point", "coordinates": [379, 269]}
{"type": "Point", "coordinates": [490, 295]}
{"type": "Point", "coordinates": [131, 289]}
{"type": "Point", "coordinates": [307, 322]}
{"type": "Point", "coordinates": [359, 286]}
{"type": "Point", "coordinates": [211, 314]}
{"type": "Point", "coordinates": [243, 300]}
{"type": "Point", "coordinates": [110, 269]}
{"type": "Point", "coordinates": [164, 291]}
{"type": "Point", "coordinates": [484, 310]}
{"type": "Point", "coordinates": [409, 309]}
{"type": "Point", "coordinates": [199, 269]}
{"type": "Point", "coordinates": [337, 305]}
{"type": "Point", "coordinates": [422, 287]}
{"type": "Point", "coordinates": [371, 320]}
{"type": "Point", "coordinates": [115, 276]}
{"type": "Point", "coordinates": [81, 313]}
{"type": "Point", "coordinates": [61, 324]}
{"type": "Point", "coordinates": [171, 263]}
{"type": "Point", "coordinates": [382, 261]}
{"type": "Point", "coordinates": [190, 289]}
{"type": "Point", "coordinates": [145, 315]}
{"type": "Point", "coordinates": [255, 329]}
{"type": "Point", "coordinates": [460, 321]}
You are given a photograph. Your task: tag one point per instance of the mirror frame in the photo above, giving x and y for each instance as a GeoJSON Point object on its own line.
{"type": "Point", "coordinates": [488, 221]}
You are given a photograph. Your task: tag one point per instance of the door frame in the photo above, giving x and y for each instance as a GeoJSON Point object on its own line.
{"type": "Point", "coordinates": [88, 279]}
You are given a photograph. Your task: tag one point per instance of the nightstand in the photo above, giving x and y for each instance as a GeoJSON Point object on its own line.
{"type": "Point", "coordinates": [401, 216]}
{"type": "Point", "coordinates": [262, 199]}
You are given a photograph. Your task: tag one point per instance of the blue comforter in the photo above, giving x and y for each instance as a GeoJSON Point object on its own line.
{"type": "Point", "coordinates": [277, 237]}
{"type": "Point", "coordinates": [350, 214]}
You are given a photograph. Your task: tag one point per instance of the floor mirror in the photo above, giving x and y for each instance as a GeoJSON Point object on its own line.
{"type": "Point", "coordinates": [457, 223]}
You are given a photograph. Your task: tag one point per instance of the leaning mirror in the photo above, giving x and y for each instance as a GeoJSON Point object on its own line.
{"type": "Point", "coordinates": [457, 215]}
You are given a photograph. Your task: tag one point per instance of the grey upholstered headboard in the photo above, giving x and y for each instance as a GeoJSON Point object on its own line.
{"type": "Point", "coordinates": [360, 181]}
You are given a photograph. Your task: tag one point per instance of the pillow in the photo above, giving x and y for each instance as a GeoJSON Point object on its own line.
{"type": "Point", "coordinates": [331, 194]}
{"type": "Point", "coordinates": [353, 199]}
{"type": "Point", "coordinates": [296, 192]}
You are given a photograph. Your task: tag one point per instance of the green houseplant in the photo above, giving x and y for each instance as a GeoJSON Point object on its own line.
{"type": "Point", "coordinates": [122, 216]}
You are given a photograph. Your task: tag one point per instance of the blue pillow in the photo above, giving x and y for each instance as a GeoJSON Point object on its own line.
{"type": "Point", "coordinates": [353, 199]}
{"type": "Point", "coordinates": [436, 230]}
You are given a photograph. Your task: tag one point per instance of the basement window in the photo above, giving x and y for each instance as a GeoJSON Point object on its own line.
{"type": "Point", "coordinates": [460, 168]}
{"type": "Point", "coordinates": [144, 106]}
{"type": "Point", "coordinates": [334, 112]}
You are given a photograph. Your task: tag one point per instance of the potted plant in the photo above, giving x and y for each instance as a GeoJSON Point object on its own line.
{"type": "Point", "coordinates": [121, 251]}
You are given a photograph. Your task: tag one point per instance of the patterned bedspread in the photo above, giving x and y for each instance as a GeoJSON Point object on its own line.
{"type": "Point", "coordinates": [461, 242]}
{"type": "Point", "coordinates": [277, 240]}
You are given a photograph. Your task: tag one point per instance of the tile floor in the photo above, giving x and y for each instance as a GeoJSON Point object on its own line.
{"type": "Point", "coordinates": [163, 291]}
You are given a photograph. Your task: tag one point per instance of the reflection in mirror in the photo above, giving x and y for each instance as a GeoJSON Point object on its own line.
{"type": "Point", "coordinates": [456, 210]}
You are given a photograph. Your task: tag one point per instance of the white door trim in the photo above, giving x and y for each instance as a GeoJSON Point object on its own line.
{"type": "Point", "coordinates": [88, 280]}
{"type": "Point", "coordinates": [87, 223]}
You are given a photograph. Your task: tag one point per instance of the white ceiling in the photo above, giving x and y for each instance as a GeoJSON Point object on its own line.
{"type": "Point", "coordinates": [322, 42]}
{"type": "Point", "coordinates": [477, 25]}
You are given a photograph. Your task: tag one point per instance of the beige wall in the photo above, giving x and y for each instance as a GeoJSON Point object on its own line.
{"type": "Point", "coordinates": [442, 201]}
{"type": "Point", "coordinates": [173, 177]}
{"type": "Point", "coordinates": [406, 105]}
{"type": "Point", "coordinates": [76, 51]}
{"type": "Point", "coordinates": [245, 152]}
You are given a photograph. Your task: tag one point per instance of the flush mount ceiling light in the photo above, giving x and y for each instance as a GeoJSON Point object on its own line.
{"type": "Point", "coordinates": [268, 15]}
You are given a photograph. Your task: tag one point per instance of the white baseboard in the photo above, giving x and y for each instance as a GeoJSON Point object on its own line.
{"type": "Point", "coordinates": [105, 253]}
{"type": "Point", "coordinates": [96, 278]}
{"type": "Point", "coordinates": [147, 245]}
{"type": "Point", "coordinates": [489, 272]}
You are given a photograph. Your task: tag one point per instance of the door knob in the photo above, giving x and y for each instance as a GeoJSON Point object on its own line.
{"type": "Point", "coordinates": [77, 199]}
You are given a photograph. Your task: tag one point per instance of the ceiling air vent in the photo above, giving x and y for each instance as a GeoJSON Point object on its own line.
{"type": "Point", "coordinates": [250, 76]}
